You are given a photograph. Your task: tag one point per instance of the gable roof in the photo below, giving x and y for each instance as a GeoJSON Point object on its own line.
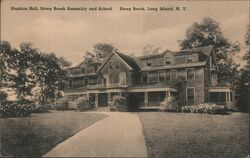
{"type": "Point", "coordinates": [127, 60]}
{"type": "Point", "coordinates": [204, 50]}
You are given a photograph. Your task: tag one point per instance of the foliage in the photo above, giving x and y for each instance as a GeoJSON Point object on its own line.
{"type": "Point", "coordinates": [205, 108]}
{"type": "Point", "coordinates": [169, 104]}
{"type": "Point", "coordinates": [149, 49]}
{"type": "Point", "coordinates": [100, 52]}
{"type": "Point", "coordinates": [31, 73]}
{"type": "Point", "coordinates": [243, 86]}
{"type": "Point", "coordinates": [61, 104]}
{"type": "Point", "coordinates": [118, 103]}
{"type": "Point", "coordinates": [19, 108]}
{"type": "Point", "coordinates": [3, 97]}
{"type": "Point", "coordinates": [83, 104]}
{"type": "Point", "coordinates": [207, 33]}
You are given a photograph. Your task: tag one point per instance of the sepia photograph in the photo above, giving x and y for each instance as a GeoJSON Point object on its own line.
{"type": "Point", "coordinates": [124, 78]}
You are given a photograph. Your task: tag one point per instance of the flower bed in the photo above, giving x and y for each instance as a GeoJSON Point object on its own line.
{"type": "Point", "coordinates": [205, 108]}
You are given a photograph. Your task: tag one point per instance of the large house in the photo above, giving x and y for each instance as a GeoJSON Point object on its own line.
{"type": "Point", "coordinates": [189, 75]}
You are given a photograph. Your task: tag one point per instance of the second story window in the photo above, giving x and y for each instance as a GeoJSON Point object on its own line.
{"type": "Point", "coordinates": [153, 77]}
{"type": "Point", "coordinates": [117, 65]}
{"type": "Point", "coordinates": [168, 75]}
{"type": "Point", "coordinates": [110, 65]}
{"type": "Point", "coordinates": [161, 76]}
{"type": "Point", "coordinates": [189, 60]}
{"type": "Point", "coordinates": [173, 74]}
{"type": "Point", "coordinates": [145, 77]}
{"type": "Point", "coordinates": [83, 70]}
{"type": "Point", "coordinates": [70, 83]}
{"type": "Point", "coordinates": [190, 74]}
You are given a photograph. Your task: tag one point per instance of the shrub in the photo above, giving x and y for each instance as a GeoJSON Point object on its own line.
{"type": "Point", "coordinates": [61, 104]}
{"type": "Point", "coordinates": [169, 104]}
{"type": "Point", "coordinates": [18, 108]}
{"type": "Point", "coordinates": [118, 103]}
{"type": "Point", "coordinates": [3, 97]}
{"type": "Point", "coordinates": [205, 108]}
{"type": "Point", "coordinates": [42, 108]}
{"type": "Point", "coordinates": [83, 104]}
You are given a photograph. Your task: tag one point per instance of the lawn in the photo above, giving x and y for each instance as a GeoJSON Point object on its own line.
{"type": "Point", "coordinates": [37, 134]}
{"type": "Point", "coordinates": [196, 135]}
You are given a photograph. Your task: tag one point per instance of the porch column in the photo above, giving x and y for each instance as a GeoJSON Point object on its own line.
{"type": "Point", "coordinates": [145, 98]}
{"type": "Point", "coordinates": [167, 94]}
{"type": "Point", "coordinates": [109, 99]}
{"type": "Point", "coordinates": [96, 100]}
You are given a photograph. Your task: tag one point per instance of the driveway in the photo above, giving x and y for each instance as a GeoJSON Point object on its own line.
{"type": "Point", "coordinates": [119, 135]}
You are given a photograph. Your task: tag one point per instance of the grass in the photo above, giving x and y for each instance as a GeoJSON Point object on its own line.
{"type": "Point", "coordinates": [34, 136]}
{"type": "Point", "coordinates": [196, 135]}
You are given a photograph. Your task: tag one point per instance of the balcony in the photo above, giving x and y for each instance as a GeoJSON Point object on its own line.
{"type": "Point", "coordinates": [105, 86]}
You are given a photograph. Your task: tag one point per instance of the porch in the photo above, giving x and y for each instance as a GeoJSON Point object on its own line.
{"type": "Point", "coordinates": [222, 96]}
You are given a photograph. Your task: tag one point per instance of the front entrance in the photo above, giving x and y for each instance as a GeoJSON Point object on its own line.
{"type": "Point", "coordinates": [103, 100]}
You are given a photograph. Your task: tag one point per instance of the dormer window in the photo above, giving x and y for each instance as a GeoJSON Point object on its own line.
{"type": "Point", "coordinates": [148, 63]}
{"type": "Point", "coordinates": [168, 61]}
{"type": "Point", "coordinates": [83, 70]}
{"type": "Point", "coordinates": [110, 65]}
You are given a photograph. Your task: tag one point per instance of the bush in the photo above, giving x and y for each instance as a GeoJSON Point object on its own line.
{"type": "Point", "coordinates": [83, 104]}
{"type": "Point", "coordinates": [42, 108]}
{"type": "Point", "coordinates": [3, 97]}
{"type": "Point", "coordinates": [205, 108]}
{"type": "Point", "coordinates": [118, 103]}
{"type": "Point", "coordinates": [61, 104]}
{"type": "Point", "coordinates": [169, 104]}
{"type": "Point", "coordinates": [16, 108]}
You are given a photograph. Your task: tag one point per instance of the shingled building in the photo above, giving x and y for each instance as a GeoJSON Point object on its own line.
{"type": "Point", "coordinates": [189, 75]}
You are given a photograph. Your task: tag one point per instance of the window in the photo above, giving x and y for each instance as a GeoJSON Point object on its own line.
{"type": "Point", "coordinates": [190, 94]}
{"type": "Point", "coordinates": [145, 77]}
{"type": "Point", "coordinates": [161, 76]}
{"type": "Point", "coordinates": [83, 70]}
{"type": "Point", "coordinates": [86, 81]}
{"type": "Point", "coordinates": [190, 74]}
{"type": "Point", "coordinates": [70, 83]}
{"type": "Point", "coordinates": [173, 74]}
{"type": "Point", "coordinates": [148, 63]}
{"type": "Point", "coordinates": [122, 78]}
{"type": "Point", "coordinates": [110, 65]}
{"type": "Point", "coordinates": [168, 61]}
{"type": "Point", "coordinates": [189, 60]}
{"type": "Point", "coordinates": [153, 77]}
{"type": "Point", "coordinates": [168, 75]}
{"type": "Point", "coordinates": [117, 65]}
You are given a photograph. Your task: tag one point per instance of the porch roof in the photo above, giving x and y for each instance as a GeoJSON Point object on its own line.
{"type": "Point", "coordinates": [220, 89]}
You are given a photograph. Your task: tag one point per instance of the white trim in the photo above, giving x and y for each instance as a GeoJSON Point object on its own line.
{"type": "Point", "coordinates": [130, 68]}
{"type": "Point", "coordinates": [159, 89]}
{"type": "Point", "coordinates": [220, 90]}
{"type": "Point", "coordinates": [187, 73]}
{"type": "Point", "coordinates": [187, 93]}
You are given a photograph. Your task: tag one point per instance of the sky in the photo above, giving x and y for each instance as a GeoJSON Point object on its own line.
{"type": "Point", "coordinates": [71, 33]}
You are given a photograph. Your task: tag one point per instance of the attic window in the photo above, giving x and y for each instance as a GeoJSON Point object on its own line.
{"type": "Point", "coordinates": [83, 70]}
{"type": "Point", "coordinates": [148, 63]}
{"type": "Point", "coordinates": [110, 65]}
{"type": "Point", "coordinates": [117, 65]}
{"type": "Point", "coordinates": [168, 61]}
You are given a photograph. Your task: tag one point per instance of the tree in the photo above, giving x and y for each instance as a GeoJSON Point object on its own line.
{"type": "Point", "coordinates": [63, 62]}
{"type": "Point", "coordinates": [243, 87]}
{"type": "Point", "coordinates": [103, 50]}
{"type": "Point", "coordinates": [149, 49]}
{"type": "Point", "coordinates": [207, 33]}
{"type": "Point", "coordinates": [49, 77]}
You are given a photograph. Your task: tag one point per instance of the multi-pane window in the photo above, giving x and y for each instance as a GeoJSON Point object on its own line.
{"type": "Point", "coordinates": [161, 76]}
{"type": "Point", "coordinates": [145, 77]}
{"type": "Point", "coordinates": [153, 77]}
{"type": "Point", "coordinates": [83, 70]}
{"type": "Point", "coordinates": [173, 74]}
{"type": "Point", "coordinates": [70, 83]}
{"type": "Point", "coordinates": [168, 61]}
{"type": "Point", "coordinates": [148, 63]}
{"type": "Point", "coordinates": [190, 94]}
{"type": "Point", "coordinates": [168, 75]}
{"type": "Point", "coordinates": [110, 65]}
{"type": "Point", "coordinates": [190, 74]}
{"type": "Point", "coordinates": [117, 65]}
